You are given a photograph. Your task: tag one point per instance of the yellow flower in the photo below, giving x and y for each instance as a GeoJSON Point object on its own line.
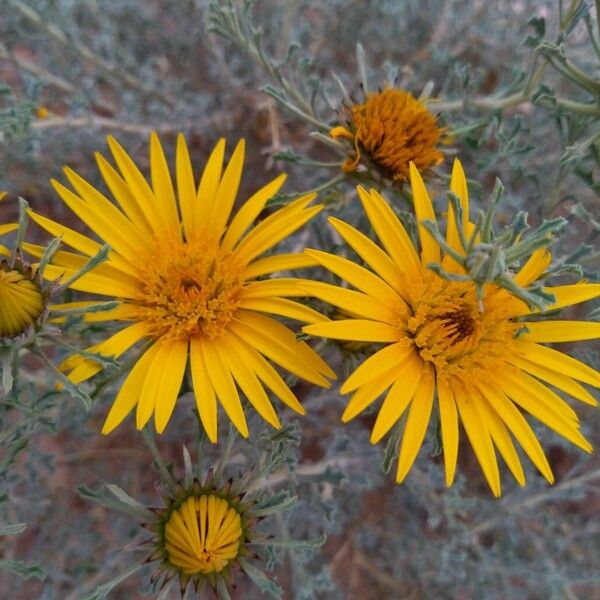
{"type": "Point", "coordinates": [389, 130]}
{"type": "Point", "coordinates": [437, 338]}
{"type": "Point", "coordinates": [42, 112]}
{"type": "Point", "coordinates": [205, 533]}
{"type": "Point", "coordinates": [22, 301]}
{"type": "Point", "coordinates": [190, 281]}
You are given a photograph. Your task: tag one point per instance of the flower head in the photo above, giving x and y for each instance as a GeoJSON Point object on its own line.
{"type": "Point", "coordinates": [190, 279]}
{"type": "Point", "coordinates": [202, 533]}
{"type": "Point", "coordinates": [473, 348]}
{"type": "Point", "coordinates": [23, 303]}
{"type": "Point", "coordinates": [205, 533]}
{"type": "Point", "coordinates": [389, 130]}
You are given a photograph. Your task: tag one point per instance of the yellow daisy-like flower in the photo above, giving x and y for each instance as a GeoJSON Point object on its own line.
{"type": "Point", "coordinates": [189, 275]}
{"type": "Point", "coordinates": [485, 368]}
{"type": "Point", "coordinates": [391, 129]}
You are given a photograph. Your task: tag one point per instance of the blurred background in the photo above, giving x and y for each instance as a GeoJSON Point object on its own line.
{"type": "Point", "coordinates": [72, 72]}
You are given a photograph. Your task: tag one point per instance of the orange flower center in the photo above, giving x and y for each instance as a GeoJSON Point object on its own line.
{"type": "Point", "coordinates": [188, 289]}
{"type": "Point", "coordinates": [452, 331]}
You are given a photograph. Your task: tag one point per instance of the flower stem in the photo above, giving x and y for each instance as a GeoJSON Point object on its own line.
{"type": "Point", "coordinates": [224, 458]}
{"type": "Point", "coordinates": [165, 475]}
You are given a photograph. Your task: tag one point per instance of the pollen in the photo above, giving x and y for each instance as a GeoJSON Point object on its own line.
{"type": "Point", "coordinates": [389, 130]}
{"type": "Point", "coordinates": [21, 301]}
{"type": "Point", "coordinates": [449, 329]}
{"type": "Point", "coordinates": [188, 289]}
{"type": "Point", "coordinates": [203, 535]}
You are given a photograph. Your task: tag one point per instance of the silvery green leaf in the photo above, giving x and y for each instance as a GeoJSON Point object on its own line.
{"type": "Point", "coordinates": [261, 580]}
{"type": "Point", "coordinates": [23, 570]}
{"type": "Point", "coordinates": [12, 529]}
{"type": "Point", "coordinates": [102, 591]}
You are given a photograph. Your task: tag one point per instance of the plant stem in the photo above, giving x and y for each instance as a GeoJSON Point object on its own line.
{"type": "Point", "coordinates": [165, 475]}
{"type": "Point", "coordinates": [224, 458]}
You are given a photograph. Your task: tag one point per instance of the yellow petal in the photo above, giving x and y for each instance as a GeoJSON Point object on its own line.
{"type": "Point", "coordinates": [170, 385]}
{"type": "Point", "coordinates": [416, 423]}
{"type": "Point", "coordinates": [449, 427]}
{"type": "Point", "coordinates": [109, 212]}
{"type": "Point", "coordinates": [223, 384]}
{"type": "Point", "coordinates": [137, 184]}
{"type": "Point", "coordinates": [76, 262]}
{"type": "Point", "coordinates": [559, 362]}
{"type": "Point", "coordinates": [518, 426]}
{"type": "Point", "coordinates": [358, 330]}
{"type": "Point", "coordinates": [68, 236]}
{"type": "Point", "coordinates": [458, 186]}
{"type": "Point", "coordinates": [360, 278]}
{"type": "Point", "coordinates": [391, 356]}
{"type": "Point", "coordinates": [368, 393]}
{"type": "Point", "coordinates": [278, 262]}
{"type": "Point", "coordinates": [278, 286]}
{"type": "Point", "coordinates": [266, 373]}
{"type": "Point", "coordinates": [260, 239]}
{"type": "Point", "coordinates": [121, 238]}
{"type": "Point", "coordinates": [540, 410]}
{"type": "Point", "coordinates": [286, 337]}
{"type": "Point", "coordinates": [501, 438]}
{"type": "Point", "coordinates": [478, 435]}
{"type": "Point", "coordinates": [188, 513]}
{"type": "Point", "coordinates": [249, 384]}
{"type": "Point", "coordinates": [249, 211]}
{"type": "Point", "coordinates": [561, 331]}
{"type": "Point", "coordinates": [278, 343]}
{"type": "Point", "coordinates": [209, 183]}
{"type": "Point", "coordinates": [162, 185]}
{"type": "Point", "coordinates": [351, 302]}
{"type": "Point", "coordinates": [204, 393]}
{"type": "Point", "coordinates": [542, 394]}
{"type": "Point", "coordinates": [227, 191]}
{"type": "Point", "coordinates": [123, 194]}
{"type": "Point", "coordinates": [156, 375]}
{"type": "Point", "coordinates": [186, 186]}
{"type": "Point", "coordinates": [92, 282]}
{"type": "Point", "coordinates": [536, 265]}
{"type": "Point", "coordinates": [430, 251]}
{"type": "Point", "coordinates": [558, 380]}
{"type": "Point", "coordinates": [129, 393]}
{"type": "Point", "coordinates": [284, 308]}
{"type": "Point", "coordinates": [567, 295]}
{"type": "Point", "coordinates": [8, 227]}
{"type": "Point", "coordinates": [399, 396]}
{"type": "Point", "coordinates": [390, 231]}
{"type": "Point", "coordinates": [378, 260]}
{"type": "Point", "coordinates": [115, 346]}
